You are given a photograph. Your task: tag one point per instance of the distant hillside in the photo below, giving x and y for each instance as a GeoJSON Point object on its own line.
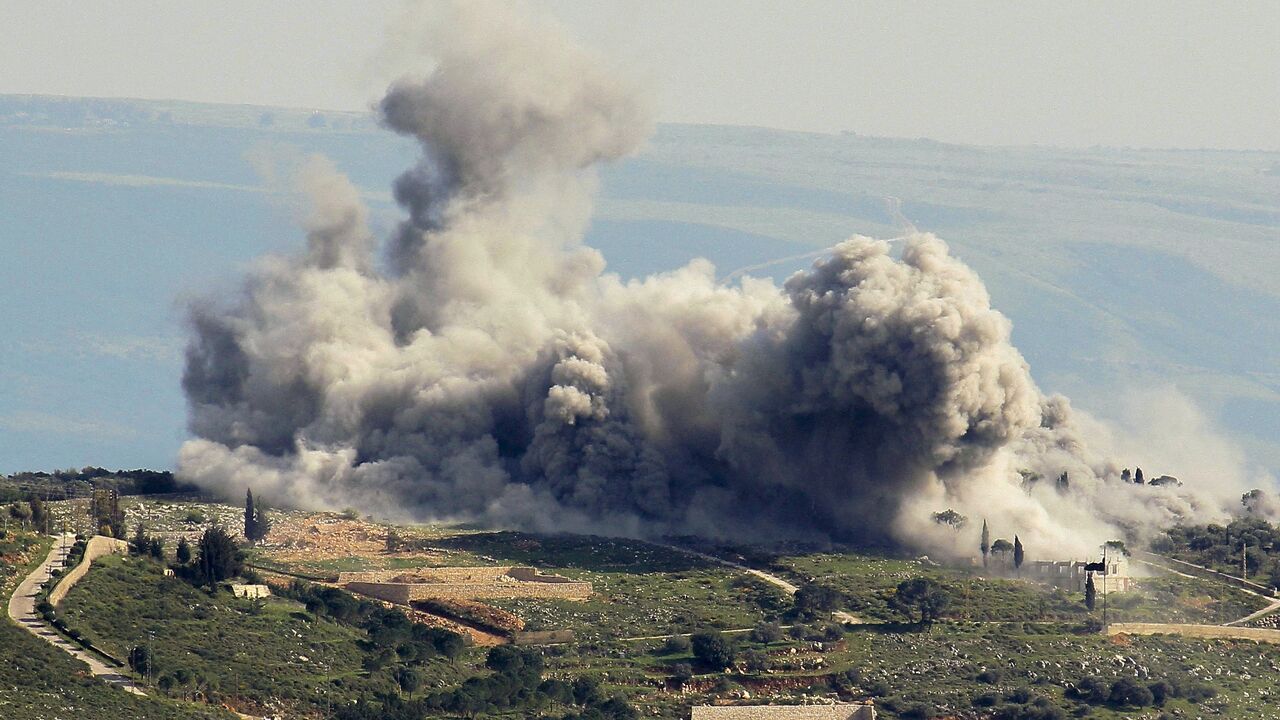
{"type": "Point", "coordinates": [1119, 267]}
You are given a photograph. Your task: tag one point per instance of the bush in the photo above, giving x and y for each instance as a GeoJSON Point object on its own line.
{"type": "Point", "coordinates": [1161, 691]}
{"type": "Point", "coordinates": [812, 598]}
{"type": "Point", "coordinates": [1021, 695]}
{"type": "Point", "coordinates": [988, 699]}
{"type": "Point", "coordinates": [907, 709]}
{"type": "Point", "coordinates": [877, 688]}
{"type": "Point", "coordinates": [713, 650]}
{"type": "Point", "coordinates": [677, 645]}
{"type": "Point", "coordinates": [766, 633]}
{"type": "Point", "coordinates": [1127, 692]}
{"type": "Point", "coordinates": [920, 595]}
{"type": "Point", "coordinates": [990, 676]}
{"type": "Point", "coordinates": [1090, 689]}
{"type": "Point", "coordinates": [755, 661]}
{"type": "Point", "coordinates": [1039, 710]}
{"type": "Point", "coordinates": [1198, 692]}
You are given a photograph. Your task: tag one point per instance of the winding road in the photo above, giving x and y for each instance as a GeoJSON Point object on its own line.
{"type": "Point", "coordinates": [22, 611]}
{"type": "Point", "coordinates": [1167, 565]}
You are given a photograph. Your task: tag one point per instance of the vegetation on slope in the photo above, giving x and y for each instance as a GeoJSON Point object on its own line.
{"type": "Point", "coordinates": [215, 645]}
{"type": "Point", "coordinates": [40, 682]}
{"type": "Point", "coordinates": [1246, 545]}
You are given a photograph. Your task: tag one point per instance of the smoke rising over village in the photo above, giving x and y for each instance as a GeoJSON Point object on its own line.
{"type": "Point", "coordinates": [481, 364]}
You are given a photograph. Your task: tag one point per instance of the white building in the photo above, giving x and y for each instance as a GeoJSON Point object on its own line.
{"type": "Point", "coordinates": [1074, 575]}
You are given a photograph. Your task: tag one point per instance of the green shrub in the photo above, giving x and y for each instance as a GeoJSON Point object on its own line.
{"type": "Point", "coordinates": [1127, 692]}
{"type": "Point", "coordinates": [675, 645]}
{"type": "Point", "coordinates": [713, 650]}
{"type": "Point", "coordinates": [988, 699]}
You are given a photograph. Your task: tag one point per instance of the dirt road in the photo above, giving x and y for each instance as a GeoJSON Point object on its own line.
{"type": "Point", "coordinates": [1273, 604]}
{"type": "Point", "coordinates": [788, 588]}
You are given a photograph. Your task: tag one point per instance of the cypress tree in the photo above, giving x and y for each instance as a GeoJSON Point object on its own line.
{"type": "Point", "coordinates": [1090, 593]}
{"type": "Point", "coordinates": [250, 517]}
{"type": "Point", "coordinates": [217, 557]}
{"type": "Point", "coordinates": [183, 555]}
{"type": "Point", "coordinates": [1017, 552]}
{"type": "Point", "coordinates": [986, 543]}
{"type": "Point", "coordinates": [1137, 477]}
{"type": "Point", "coordinates": [261, 522]}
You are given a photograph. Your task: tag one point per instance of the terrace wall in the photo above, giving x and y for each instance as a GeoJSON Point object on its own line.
{"type": "Point", "coordinates": [404, 593]}
{"type": "Point", "coordinates": [94, 548]}
{"type": "Point", "coordinates": [784, 712]}
{"type": "Point", "coordinates": [463, 583]}
{"type": "Point", "coordinates": [440, 574]}
{"type": "Point", "coordinates": [1196, 631]}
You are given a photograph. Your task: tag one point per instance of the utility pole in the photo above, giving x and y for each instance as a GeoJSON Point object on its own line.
{"type": "Point", "coordinates": [1104, 586]}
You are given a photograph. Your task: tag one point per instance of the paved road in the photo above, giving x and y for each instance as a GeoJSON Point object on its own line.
{"type": "Point", "coordinates": [22, 610]}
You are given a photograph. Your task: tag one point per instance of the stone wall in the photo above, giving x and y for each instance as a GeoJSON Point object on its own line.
{"type": "Point", "coordinates": [437, 574]}
{"type": "Point", "coordinates": [404, 593]}
{"type": "Point", "coordinates": [252, 592]}
{"type": "Point", "coordinates": [784, 712]}
{"type": "Point", "coordinates": [391, 592]}
{"type": "Point", "coordinates": [528, 574]}
{"type": "Point", "coordinates": [96, 547]}
{"type": "Point", "coordinates": [1196, 631]}
{"type": "Point", "coordinates": [463, 583]}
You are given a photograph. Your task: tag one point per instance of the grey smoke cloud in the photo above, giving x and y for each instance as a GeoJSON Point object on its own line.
{"type": "Point", "coordinates": [487, 368]}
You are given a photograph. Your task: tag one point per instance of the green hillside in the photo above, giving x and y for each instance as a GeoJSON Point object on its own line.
{"type": "Point", "coordinates": [1001, 647]}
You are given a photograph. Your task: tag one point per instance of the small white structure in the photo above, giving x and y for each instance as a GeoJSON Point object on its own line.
{"type": "Point", "coordinates": [845, 711]}
{"type": "Point", "coordinates": [250, 591]}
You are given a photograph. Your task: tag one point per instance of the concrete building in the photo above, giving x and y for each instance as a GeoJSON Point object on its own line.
{"type": "Point", "coordinates": [1073, 575]}
{"type": "Point", "coordinates": [250, 591]}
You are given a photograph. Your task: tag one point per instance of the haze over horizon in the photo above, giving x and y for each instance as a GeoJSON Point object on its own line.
{"type": "Point", "coordinates": [1184, 75]}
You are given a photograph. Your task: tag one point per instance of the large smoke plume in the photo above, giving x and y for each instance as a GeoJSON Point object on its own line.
{"type": "Point", "coordinates": [481, 365]}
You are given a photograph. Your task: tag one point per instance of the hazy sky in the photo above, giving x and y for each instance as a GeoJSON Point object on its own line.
{"type": "Point", "coordinates": [1176, 74]}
